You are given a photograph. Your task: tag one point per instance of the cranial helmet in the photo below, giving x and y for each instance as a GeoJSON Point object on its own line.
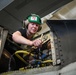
{"type": "Point", "coordinates": [34, 19]}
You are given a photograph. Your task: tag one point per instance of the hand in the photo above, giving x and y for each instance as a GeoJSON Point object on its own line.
{"type": "Point", "coordinates": [37, 43]}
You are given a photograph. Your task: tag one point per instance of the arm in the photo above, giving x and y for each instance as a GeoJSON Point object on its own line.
{"type": "Point", "coordinates": [18, 38]}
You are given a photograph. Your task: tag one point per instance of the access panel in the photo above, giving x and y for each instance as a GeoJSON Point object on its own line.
{"type": "Point", "coordinates": [65, 43]}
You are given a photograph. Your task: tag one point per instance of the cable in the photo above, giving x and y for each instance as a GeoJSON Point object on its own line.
{"type": "Point", "coordinates": [9, 65]}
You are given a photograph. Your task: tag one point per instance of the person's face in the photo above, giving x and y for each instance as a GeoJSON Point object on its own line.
{"type": "Point", "coordinates": [33, 28]}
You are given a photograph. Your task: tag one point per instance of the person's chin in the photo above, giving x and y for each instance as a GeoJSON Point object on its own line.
{"type": "Point", "coordinates": [33, 32]}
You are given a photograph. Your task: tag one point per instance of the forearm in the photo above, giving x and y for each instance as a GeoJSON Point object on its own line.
{"type": "Point", "coordinates": [20, 39]}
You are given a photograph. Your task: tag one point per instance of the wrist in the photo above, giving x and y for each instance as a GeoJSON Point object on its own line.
{"type": "Point", "coordinates": [31, 43]}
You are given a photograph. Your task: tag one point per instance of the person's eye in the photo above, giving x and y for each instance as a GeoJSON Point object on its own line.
{"type": "Point", "coordinates": [36, 24]}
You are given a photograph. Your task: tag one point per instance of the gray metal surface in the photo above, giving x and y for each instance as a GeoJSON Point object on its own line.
{"type": "Point", "coordinates": [4, 3]}
{"type": "Point", "coordinates": [33, 71]}
{"type": "Point", "coordinates": [51, 70]}
{"type": "Point", "coordinates": [65, 31]}
{"type": "Point", "coordinates": [3, 35]}
{"type": "Point", "coordinates": [1, 31]}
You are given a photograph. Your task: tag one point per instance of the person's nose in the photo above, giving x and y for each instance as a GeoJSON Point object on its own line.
{"type": "Point", "coordinates": [34, 25]}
